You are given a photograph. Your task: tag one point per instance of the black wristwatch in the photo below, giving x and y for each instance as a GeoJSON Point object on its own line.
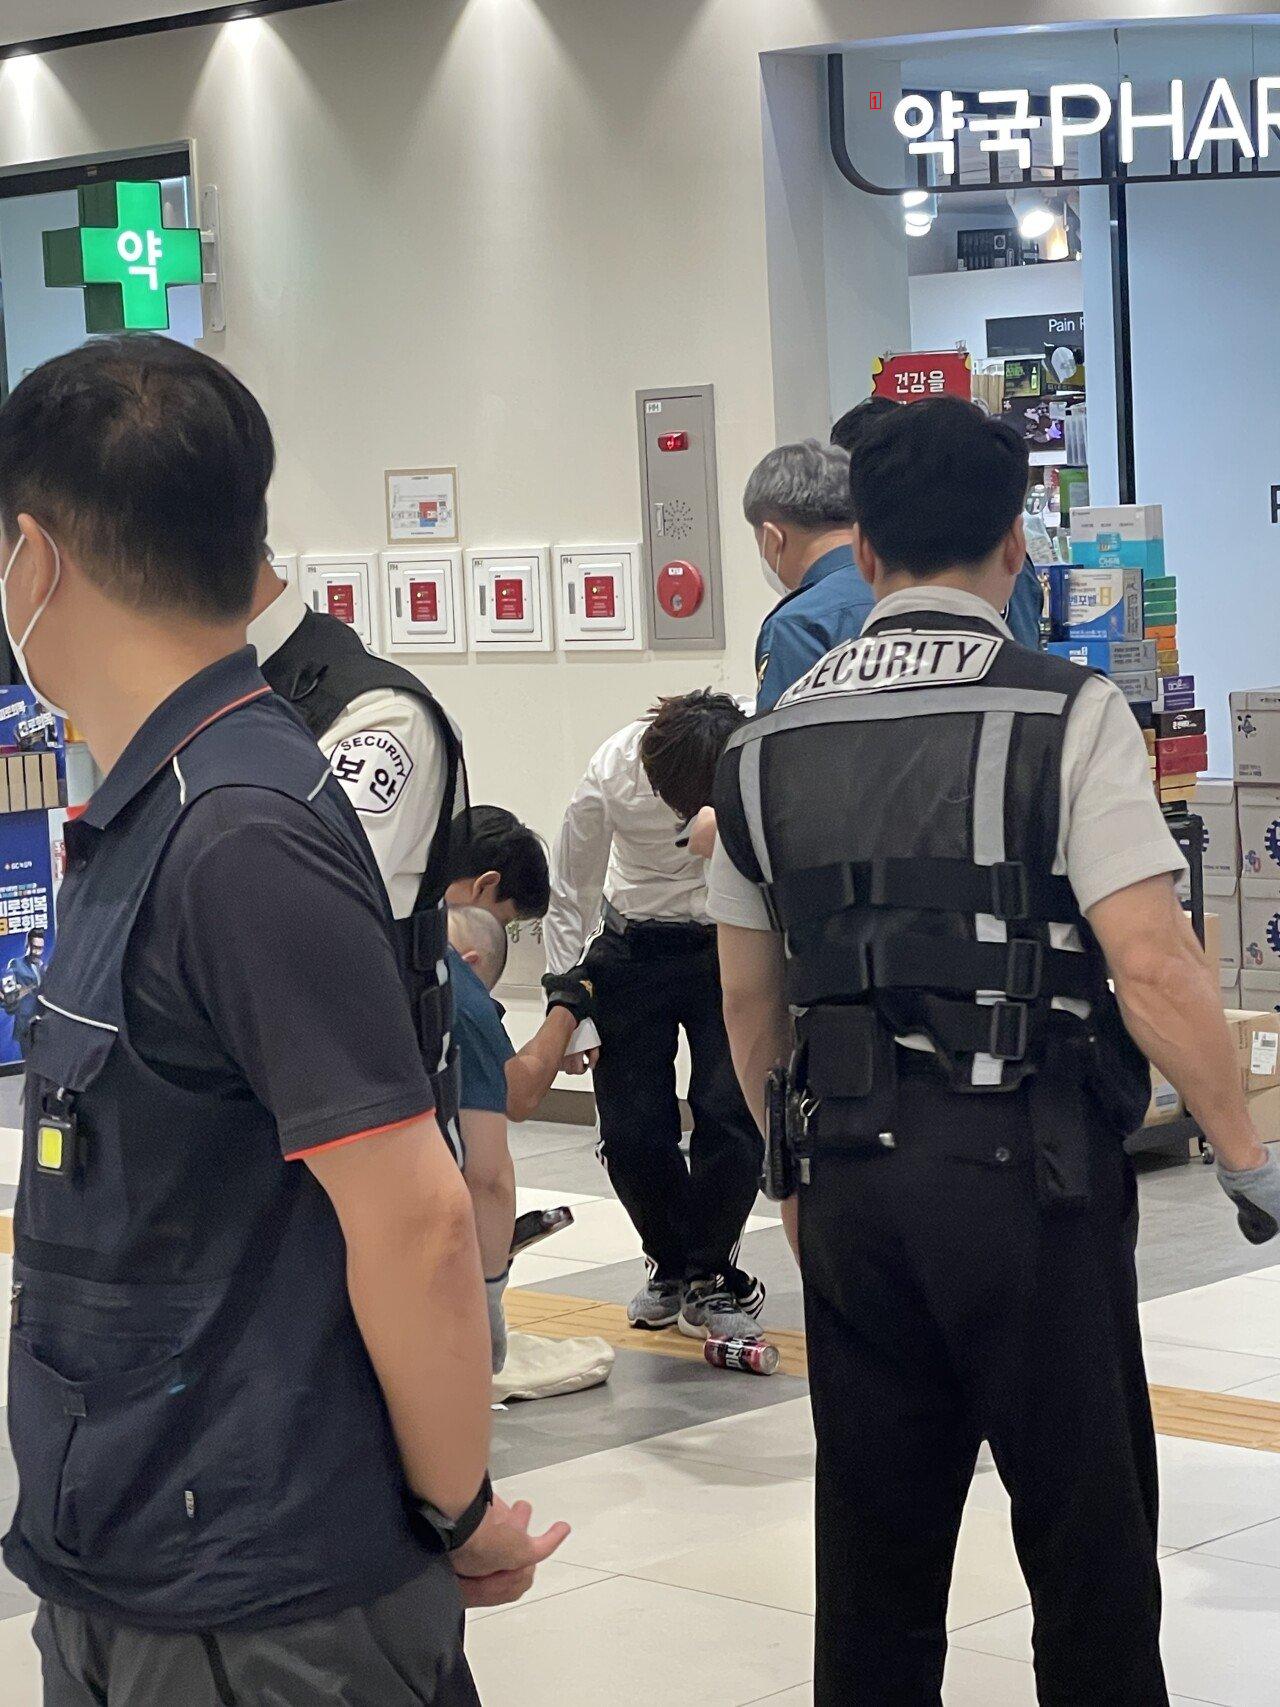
{"type": "Point", "coordinates": [450, 1533]}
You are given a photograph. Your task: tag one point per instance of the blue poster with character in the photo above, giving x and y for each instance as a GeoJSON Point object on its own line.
{"type": "Point", "coordinates": [32, 787]}
{"type": "Point", "coordinates": [31, 863]}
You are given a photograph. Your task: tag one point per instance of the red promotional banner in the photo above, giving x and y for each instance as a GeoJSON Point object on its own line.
{"type": "Point", "coordinates": [914, 374]}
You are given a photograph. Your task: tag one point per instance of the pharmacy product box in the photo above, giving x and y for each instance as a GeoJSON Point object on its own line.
{"type": "Point", "coordinates": [1255, 735]}
{"type": "Point", "coordinates": [1258, 815]}
{"type": "Point", "coordinates": [1112, 657]}
{"type": "Point", "coordinates": [1229, 988]}
{"type": "Point", "coordinates": [1103, 604]}
{"type": "Point", "coordinates": [1256, 1035]}
{"type": "Point", "coordinates": [1172, 725]}
{"type": "Point", "coordinates": [1139, 689]}
{"type": "Point", "coordinates": [1260, 933]}
{"type": "Point", "coordinates": [1135, 521]}
{"type": "Point", "coordinates": [1181, 685]}
{"type": "Point", "coordinates": [1174, 701]}
{"type": "Point", "coordinates": [1125, 536]}
{"type": "Point", "coordinates": [1178, 754]}
{"type": "Point", "coordinates": [1166, 1101]}
{"type": "Point", "coordinates": [1214, 803]}
{"type": "Point", "coordinates": [1260, 992]}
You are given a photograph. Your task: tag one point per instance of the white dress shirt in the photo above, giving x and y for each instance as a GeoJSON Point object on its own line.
{"type": "Point", "coordinates": [385, 751]}
{"type": "Point", "coordinates": [618, 843]}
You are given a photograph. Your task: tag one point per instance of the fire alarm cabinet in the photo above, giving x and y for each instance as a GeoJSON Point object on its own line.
{"type": "Point", "coordinates": [285, 565]}
{"type": "Point", "coordinates": [597, 591]}
{"type": "Point", "coordinates": [508, 597]}
{"type": "Point", "coordinates": [681, 590]}
{"type": "Point", "coordinates": [681, 518]}
{"type": "Point", "coordinates": [342, 586]}
{"type": "Point", "coordinates": [422, 594]}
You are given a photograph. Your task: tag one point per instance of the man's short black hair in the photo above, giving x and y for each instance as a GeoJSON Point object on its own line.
{"type": "Point", "coordinates": [682, 746]}
{"type": "Point", "coordinates": [939, 486]}
{"type": "Point", "coordinates": [150, 462]}
{"type": "Point", "coordinates": [489, 838]}
{"type": "Point", "coordinates": [851, 430]}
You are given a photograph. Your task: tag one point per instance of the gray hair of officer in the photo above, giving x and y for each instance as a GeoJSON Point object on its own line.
{"type": "Point", "coordinates": [800, 486]}
{"type": "Point", "coordinates": [474, 930]}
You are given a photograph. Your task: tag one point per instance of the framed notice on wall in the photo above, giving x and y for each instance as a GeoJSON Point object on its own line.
{"type": "Point", "coordinates": [422, 504]}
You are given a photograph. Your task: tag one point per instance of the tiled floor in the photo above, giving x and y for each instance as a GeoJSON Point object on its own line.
{"type": "Point", "coordinates": [687, 1581]}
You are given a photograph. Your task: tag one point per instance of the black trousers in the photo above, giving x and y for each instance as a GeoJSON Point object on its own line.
{"type": "Point", "coordinates": [649, 983]}
{"type": "Point", "coordinates": [404, 1650]}
{"type": "Point", "coordinates": [945, 1307]}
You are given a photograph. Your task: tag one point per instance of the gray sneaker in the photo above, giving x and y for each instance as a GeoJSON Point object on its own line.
{"type": "Point", "coordinates": [656, 1305]}
{"type": "Point", "coordinates": [711, 1311]}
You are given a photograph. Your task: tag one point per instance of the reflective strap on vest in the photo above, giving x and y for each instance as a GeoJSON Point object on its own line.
{"type": "Point", "coordinates": [1004, 889]}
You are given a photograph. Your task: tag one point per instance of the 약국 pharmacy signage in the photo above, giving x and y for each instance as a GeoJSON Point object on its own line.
{"type": "Point", "coordinates": [1006, 122]}
{"type": "Point", "coordinates": [124, 257]}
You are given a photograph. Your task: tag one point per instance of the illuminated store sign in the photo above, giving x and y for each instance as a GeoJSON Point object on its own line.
{"type": "Point", "coordinates": [1005, 123]}
{"type": "Point", "coordinates": [124, 257]}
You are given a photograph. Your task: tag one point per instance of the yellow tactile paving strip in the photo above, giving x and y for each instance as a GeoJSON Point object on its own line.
{"type": "Point", "coordinates": [1223, 1418]}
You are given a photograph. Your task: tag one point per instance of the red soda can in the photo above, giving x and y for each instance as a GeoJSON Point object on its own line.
{"type": "Point", "coordinates": [757, 1357]}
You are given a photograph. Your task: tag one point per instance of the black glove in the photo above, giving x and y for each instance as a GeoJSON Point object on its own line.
{"type": "Point", "coordinates": [572, 991]}
{"type": "Point", "coordinates": [1256, 1195]}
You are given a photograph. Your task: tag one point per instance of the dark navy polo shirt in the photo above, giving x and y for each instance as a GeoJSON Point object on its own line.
{"type": "Point", "coordinates": [483, 1045]}
{"type": "Point", "coordinates": [248, 942]}
{"type": "Point", "coordinates": [828, 607]}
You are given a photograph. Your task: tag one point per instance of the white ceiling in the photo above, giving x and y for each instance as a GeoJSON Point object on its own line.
{"type": "Point", "coordinates": [35, 20]}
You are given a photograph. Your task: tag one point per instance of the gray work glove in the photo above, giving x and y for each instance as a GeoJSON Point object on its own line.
{"type": "Point", "coordinates": [493, 1290]}
{"type": "Point", "coordinates": [1256, 1195]}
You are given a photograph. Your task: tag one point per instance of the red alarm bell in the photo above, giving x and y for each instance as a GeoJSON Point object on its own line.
{"type": "Point", "coordinates": [680, 588]}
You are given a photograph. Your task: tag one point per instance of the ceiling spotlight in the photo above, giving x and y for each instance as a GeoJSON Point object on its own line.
{"type": "Point", "coordinates": [919, 210]}
{"type": "Point", "coordinates": [1034, 215]}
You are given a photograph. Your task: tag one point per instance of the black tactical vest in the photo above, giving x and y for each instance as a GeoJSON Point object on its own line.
{"type": "Point", "coordinates": [900, 811]}
{"type": "Point", "coordinates": [319, 670]}
{"type": "Point", "coordinates": [200, 1437]}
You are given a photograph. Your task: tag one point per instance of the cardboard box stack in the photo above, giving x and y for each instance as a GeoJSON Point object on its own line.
{"type": "Point", "coordinates": [1257, 1040]}
{"type": "Point", "coordinates": [1255, 726]}
{"type": "Point", "coordinates": [1214, 803]}
{"type": "Point", "coordinates": [1114, 608]}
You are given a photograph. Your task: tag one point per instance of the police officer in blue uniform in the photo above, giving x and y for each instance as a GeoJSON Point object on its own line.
{"type": "Point", "coordinates": [249, 1378]}
{"type": "Point", "coordinates": [924, 938]}
{"type": "Point", "coordinates": [797, 501]}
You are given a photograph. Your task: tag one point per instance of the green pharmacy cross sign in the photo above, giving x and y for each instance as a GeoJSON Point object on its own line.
{"type": "Point", "coordinates": [124, 257]}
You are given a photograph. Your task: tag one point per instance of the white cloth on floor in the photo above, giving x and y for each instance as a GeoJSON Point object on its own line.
{"type": "Point", "coordinates": [538, 1368]}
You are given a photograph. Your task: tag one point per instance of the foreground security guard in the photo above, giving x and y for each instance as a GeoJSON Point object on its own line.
{"type": "Point", "coordinates": [983, 846]}
{"type": "Point", "coordinates": [249, 1382]}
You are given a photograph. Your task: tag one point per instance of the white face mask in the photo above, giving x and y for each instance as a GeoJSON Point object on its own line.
{"type": "Point", "coordinates": [772, 576]}
{"type": "Point", "coordinates": [19, 645]}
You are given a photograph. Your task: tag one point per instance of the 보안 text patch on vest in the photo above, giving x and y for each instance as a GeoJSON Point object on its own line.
{"type": "Point", "coordinates": [903, 659]}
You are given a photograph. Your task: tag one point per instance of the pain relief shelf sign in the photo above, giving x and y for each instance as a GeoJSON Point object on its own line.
{"type": "Point", "coordinates": [124, 258]}
{"type": "Point", "coordinates": [915, 374]}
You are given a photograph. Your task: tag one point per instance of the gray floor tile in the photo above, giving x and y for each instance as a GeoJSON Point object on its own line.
{"type": "Point", "coordinates": [645, 1396]}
